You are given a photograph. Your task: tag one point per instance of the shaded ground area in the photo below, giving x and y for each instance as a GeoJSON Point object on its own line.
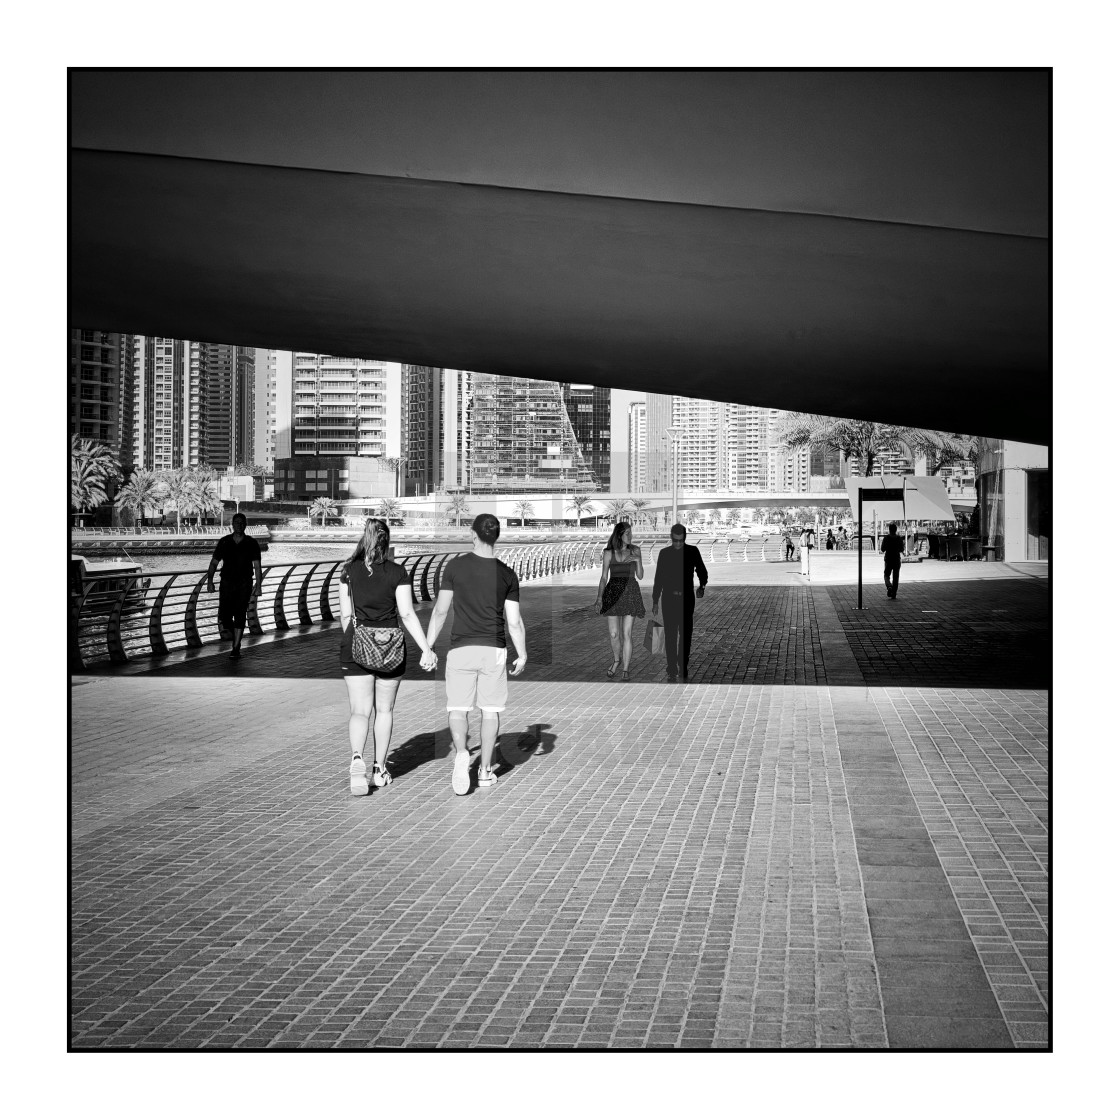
{"type": "Point", "coordinates": [965, 634]}
{"type": "Point", "coordinates": [990, 633]}
{"type": "Point", "coordinates": [823, 857]}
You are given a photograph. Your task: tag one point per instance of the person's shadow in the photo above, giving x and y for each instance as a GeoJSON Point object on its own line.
{"type": "Point", "coordinates": [514, 748]}
{"type": "Point", "coordinates": [534, 742]}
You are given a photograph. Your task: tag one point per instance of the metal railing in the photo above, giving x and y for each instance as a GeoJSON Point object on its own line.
{"type": "Point", "coordinates": [121, 617]}
{"type": "Point", "coordinates": [164, 531]}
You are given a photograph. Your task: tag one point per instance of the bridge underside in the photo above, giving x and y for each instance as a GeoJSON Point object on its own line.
{"type": "Point", "coordinates": [867, 245]}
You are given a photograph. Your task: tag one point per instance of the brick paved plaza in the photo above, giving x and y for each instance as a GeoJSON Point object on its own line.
{"type": "Point", "coordinates": [835, 835]}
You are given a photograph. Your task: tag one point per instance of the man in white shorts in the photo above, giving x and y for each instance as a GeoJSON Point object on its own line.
{"type": "Point", "coordinates": [487, 598]}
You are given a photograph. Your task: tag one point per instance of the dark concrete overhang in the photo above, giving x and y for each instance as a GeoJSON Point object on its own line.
{"type": "Point", "coordinates": [867, 245]}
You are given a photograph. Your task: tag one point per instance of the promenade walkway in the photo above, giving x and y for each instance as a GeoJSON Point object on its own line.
{"type": "Point", "coordinates": [835, 835]}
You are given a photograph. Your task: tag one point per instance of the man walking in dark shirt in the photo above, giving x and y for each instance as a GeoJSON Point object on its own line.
{"type": "Point", "coordinates": [487, 599]}
{"type": "Point", "coordinates": [676, 565]}
{"type": "Point", "coordinates": [240, 558]}
{"type": "Point", "coordinates": [891, 548]}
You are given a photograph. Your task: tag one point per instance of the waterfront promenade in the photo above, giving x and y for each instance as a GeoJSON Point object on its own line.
{"type": "Point", "coordinates": [835, 835]}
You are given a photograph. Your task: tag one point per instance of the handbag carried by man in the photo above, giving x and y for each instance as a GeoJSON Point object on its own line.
{"type": "Point", "coordinates": [378, 647]}
{"type": "Point", "coordinates": [655, 637]}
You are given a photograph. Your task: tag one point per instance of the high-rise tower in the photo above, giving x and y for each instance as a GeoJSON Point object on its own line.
{"type": "Point", "coordinates": [636, 448]}
{"type": "Point", "coordinates": [589, 413]}
{"type": "Point", "coordinates": [522, 437]}
{"type": "Point", "coordinates": [97, 390]}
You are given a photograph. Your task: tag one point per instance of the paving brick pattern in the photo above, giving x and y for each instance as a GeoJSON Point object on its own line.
{"type": "Point", "coordinates": [741, 861]}
{"type": "Point", "coordinates": [965, 634]}
{"type": "Point", "coordinates": [978, 765]}
{"type": "Point", "coordinates": [803, 971]}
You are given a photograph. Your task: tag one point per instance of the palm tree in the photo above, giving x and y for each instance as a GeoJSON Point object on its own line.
{"type": "Point", "coordinates": [864, 440]}
{"type": "Point", "coordinates": [639, 504]}
{"type": "Point", "coordinates": [323, 508]}
{"type": "Point", "coordinates": [619, 509]}
{"type": "Point", "coordinates": [203, 500]}
{"type": "Point", "coordinates": [388, 509]}
{"type": "Point", "coordinates": [457, 506]}
{"type": "Point", "coordinates": [733, 516]}
{"type": "Point", "coordinates": [178, 487]}
{"type": "Point", "coordinates": [141, 493]}
{"type": "Point", "coordinates": [523, 510]}
{"type": "Point", "coordinates": [581, 504]}
{"type": "Point", "coordinates": [93, 467]}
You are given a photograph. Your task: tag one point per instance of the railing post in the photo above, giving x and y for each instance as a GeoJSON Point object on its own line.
{"type": "Point", "coordinates": [155, 620]}
{"type": "Point", "coordinates": [77, 601]}
{"type": "Point", "coordinates": [325, 593]}
{"type": "Point", "coordinates": [190, 626]}
{"type": "Point", "coordinates": [281, 619]}
{"type": "Point", "coordinates": [412, 573]}
{"type": "Point", "coordinates": [425, 594]}
{"type": "Point", "coordinates": [304, 613]}
{"type": "Point", "coordinates": [252, 617]}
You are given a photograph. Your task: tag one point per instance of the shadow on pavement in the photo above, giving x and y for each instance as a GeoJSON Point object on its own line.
{"type": "Point", "coordinates": [968, 633]}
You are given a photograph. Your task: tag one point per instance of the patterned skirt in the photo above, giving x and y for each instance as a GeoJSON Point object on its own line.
{"type": "Point", "coordinates": [623, 596]}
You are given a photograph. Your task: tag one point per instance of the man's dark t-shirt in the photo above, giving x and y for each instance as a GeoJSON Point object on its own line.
{"type": "Point", "coordinates": [237, 561]}
{"type": "Point", "coordinates": [675, 570]}
{"type": "Point", "coordinates": [892, 548]}
{"type": "Point", "coordinates": [481, 588]}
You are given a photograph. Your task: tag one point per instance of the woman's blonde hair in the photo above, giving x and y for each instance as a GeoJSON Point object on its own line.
{"type": "Point", "coordinates": [374, 545]}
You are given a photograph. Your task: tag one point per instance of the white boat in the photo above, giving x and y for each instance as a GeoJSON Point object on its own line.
{"type": "Point", "coordinates": [111, 573]}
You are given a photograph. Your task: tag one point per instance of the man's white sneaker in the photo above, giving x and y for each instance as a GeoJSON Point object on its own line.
{"type": "Point", "coordinates": [381, 775]}
{"type": "Point", "coordinates": [487, 777]}
{"type": "Point", "coordinates": [359, 786]}
{"type": "Point", "coordinates": [461, 775]}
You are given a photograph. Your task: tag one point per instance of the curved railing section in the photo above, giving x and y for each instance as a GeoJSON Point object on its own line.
{"type": "Point", "coordinates": [120, 618]}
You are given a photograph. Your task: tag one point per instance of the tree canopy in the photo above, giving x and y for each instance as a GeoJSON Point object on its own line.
{"type": "Point", "coordinates": [93, 468]}
{"type": "Point", "coordinates": [864, 441]}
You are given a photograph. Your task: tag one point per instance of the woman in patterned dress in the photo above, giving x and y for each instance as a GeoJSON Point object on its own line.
{"type": "Point", "coordinates": [619, 596]}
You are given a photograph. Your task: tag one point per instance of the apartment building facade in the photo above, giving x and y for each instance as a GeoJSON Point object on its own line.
{"type": "Point", "coordinates": [637, 444]}
{"type": "Point", "coordinates": [97, 397]}
{"type": "Point", "coordinates": [345, 429]}
{"type": "Point", "coordinates": [589, 413]}
{"type": "Point", "coordinates": [522, 438]}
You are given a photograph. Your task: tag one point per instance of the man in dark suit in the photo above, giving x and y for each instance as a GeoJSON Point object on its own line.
{"type": "Point", "coordinates": [676, 565]}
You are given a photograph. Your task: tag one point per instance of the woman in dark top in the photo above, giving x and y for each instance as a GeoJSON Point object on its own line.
{"type": "Point", "coordinates": [374, 592]}
{"type": "Point", "coordinates": [620, 597]}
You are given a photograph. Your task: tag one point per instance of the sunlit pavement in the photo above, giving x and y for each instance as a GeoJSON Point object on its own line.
{"type": "Point", "coordinates": [836, 834]}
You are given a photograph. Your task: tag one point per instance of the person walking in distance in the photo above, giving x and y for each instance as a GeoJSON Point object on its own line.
{"type": "Point", "coordinates": [240, 558]}
{"type": "Point", "coordinates": [787, 542]}
{"type": "Point", "coordinates": [672, 578]}
{"type": "Point", "coordinates": [891, 548]}
{"type": "Point", "coordinates": [805, 543]}
{"type": "Point", "coordinates": [619, 597]}
{"type": "Point", "coordinates": [375, 593]}
{"type": "Point", "coordinates": [487, 598]}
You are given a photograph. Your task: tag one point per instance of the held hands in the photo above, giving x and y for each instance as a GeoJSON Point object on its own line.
{"type": "Point", "coordinates": [654, 610]}
{"type": "Point", "coordinates": [700, 593]}
{"type": "Point", "coordinates": [428, 660]}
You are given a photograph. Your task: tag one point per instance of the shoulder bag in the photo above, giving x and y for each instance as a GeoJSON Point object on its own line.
{"type": "Point", "coordinates": [378, 647]}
